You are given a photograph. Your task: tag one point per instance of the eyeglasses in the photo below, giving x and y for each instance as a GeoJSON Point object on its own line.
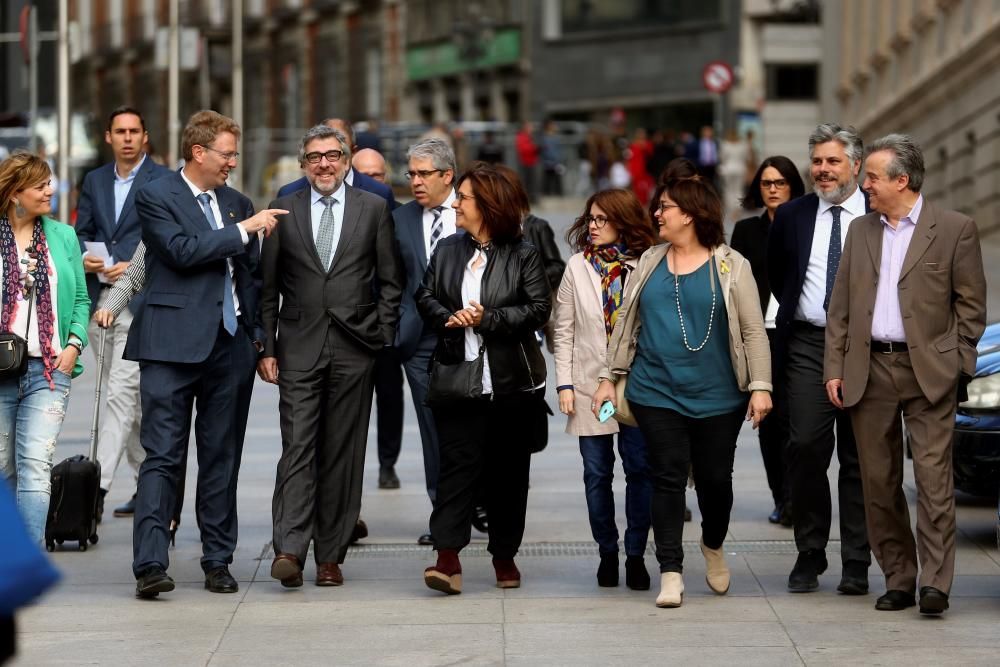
{"type": "Point", "coordinates": [597, 220]}
{"type": "Point", "coordinates": [424, 174]}
{"type": "Point", "coordinates": [778, 183]}
{"type": "Point", "coordinates": [663, 207]}
{"type": "Point", "coordinates": [228, 157]}
{"type": "Point", "coordinates": [461, 197]}
{"type": "Point", "coordinates": [331, 156]}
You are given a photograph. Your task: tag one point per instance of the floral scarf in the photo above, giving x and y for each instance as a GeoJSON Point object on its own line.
{"type": "Point", "coordinates": [16, 285]}
{"type": "Point", "coordinates": [609, 262]}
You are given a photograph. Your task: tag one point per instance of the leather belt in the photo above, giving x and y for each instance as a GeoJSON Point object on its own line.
{"type": "Point", "coordinates": [888, 346]}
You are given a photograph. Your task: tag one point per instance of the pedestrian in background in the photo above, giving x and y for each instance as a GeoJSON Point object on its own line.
{"type": "Point", "coordinates": [552, 162]}
{"type": "Point", "coordinates": [44, 301]}
{"type": "Point", "coordinates": [527, 159]}
{"type": "Point", "coordinates": [775, 182]}
{"type": "Point", "coordinates": [485, 293]}
{"type": "Point", "coordinates": [691, 340]}
{"type": "Point", "coordinates": [608, 239]}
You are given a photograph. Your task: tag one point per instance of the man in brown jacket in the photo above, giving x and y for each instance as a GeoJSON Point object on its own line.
{"type": "Point", "coordinates": [907, 309]}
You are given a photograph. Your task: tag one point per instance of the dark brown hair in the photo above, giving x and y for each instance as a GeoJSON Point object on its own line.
{"type": "Point", "coordinates": [20, 171]}
{"type": "Point", "coordinates": [120, 111]}
{"type": "Point", "coordinates": [624, 212]}
{"type": "Point", "coordinates": [500, 198]}
{"type": "Point", "coordinates": [679, 167]}
{"type": "Point", "coordinates": [785, 167]}
{"type": "Point", "coordinates": [696, 197]}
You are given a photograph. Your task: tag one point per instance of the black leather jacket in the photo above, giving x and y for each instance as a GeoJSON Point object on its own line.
{"type": "Point", "coordinates": [516, 300]}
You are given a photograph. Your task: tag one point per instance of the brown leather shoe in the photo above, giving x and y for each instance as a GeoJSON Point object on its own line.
{"type": "Point", "coordinates": [328, 574]}
{"type": "Point", "coordinates": [360, 532]}
{"type": "Point", "coordinates": [287, 569]}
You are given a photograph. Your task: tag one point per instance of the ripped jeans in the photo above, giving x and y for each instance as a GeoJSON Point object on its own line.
{"type": "Point", "coordinates": [31, 415]}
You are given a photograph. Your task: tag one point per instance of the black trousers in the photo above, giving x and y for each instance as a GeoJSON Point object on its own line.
{"type": "Point", "coordinates": [676, 443]}
{"type": "Point", "coordinates": [483, 447]}
{"type": "Point", "coordinates": [389, 406]}
{"type": "Point", "coordinates": [219, 388]}
{"type": "Point", "coordinates": [324, 414]}
{"type": "Point", "coordinates": [812, 419]}
{"type": "Point", "coordinates": [773, 434]}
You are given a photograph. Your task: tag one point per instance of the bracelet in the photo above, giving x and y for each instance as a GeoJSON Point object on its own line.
{"type": "Point", "coordinates": [77, 345]}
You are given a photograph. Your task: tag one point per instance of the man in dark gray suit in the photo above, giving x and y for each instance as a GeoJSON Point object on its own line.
{"type": "Point", "coordinates": [420, 225]}
{"type": "Point", "coordinates": [320, 349]}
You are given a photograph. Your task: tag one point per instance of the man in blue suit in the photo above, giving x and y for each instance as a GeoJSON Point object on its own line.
{"type": "Point", "coordinates": [195, 343]}
{"type": "Point", "coordinates": [803, 256]}
{"type": "Point", "coordinates": [106, 214]}
{"type": "Point", "coordinates": [420, 225]}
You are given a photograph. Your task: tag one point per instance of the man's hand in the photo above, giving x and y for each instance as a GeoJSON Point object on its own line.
{"type": "Point", "coordinates": [115, 271]}
{"type": "Point", "coordinates": [104, 318]}
{"type": "Point", "coordinates": [93, 264]}
{"type": "Point", "coordinates": [834, 389]}
{"type": "Point", "coordinates": [263, 221]}
{"type": "Point", "coordinates": [267, 369]}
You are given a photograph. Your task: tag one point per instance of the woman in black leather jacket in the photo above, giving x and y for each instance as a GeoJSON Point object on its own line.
{"type": "Point", "coordinates": [485, 292]}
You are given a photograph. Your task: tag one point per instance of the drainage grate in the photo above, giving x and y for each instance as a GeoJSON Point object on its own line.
{"type": "Point", "coordinates": [562, 549]}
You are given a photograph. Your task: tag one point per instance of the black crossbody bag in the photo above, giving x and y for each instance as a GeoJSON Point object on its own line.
{"type": "Point", "coordinates": [14, 349]}
{"type": "Point", "coordinates": [455, 382]}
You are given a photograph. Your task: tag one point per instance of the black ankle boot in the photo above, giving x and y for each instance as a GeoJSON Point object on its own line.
{"type": "Point", "coordinates": [607, 572]}
{"type": "Point", "coordinates": [636, 575]}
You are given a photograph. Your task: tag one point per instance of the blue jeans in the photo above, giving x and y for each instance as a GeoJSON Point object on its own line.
{"type": "Point", "coordinates": [598, 471]}
{"type": "Point", "coordinates": [31, 416]}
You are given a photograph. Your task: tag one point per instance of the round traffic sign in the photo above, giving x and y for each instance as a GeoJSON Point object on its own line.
{"type": "Point", "coordinates": [717, 77]}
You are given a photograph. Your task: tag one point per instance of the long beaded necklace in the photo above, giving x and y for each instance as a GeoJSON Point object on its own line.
{"type": "Point", "coordinates": [680, 316]}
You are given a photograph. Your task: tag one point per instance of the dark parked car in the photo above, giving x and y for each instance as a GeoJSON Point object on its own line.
{"type": "Point", "coordinates": [976, 442]}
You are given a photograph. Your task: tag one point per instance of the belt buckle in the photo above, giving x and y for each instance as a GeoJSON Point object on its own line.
{"type": "Point", "coordinates": [888, 349]}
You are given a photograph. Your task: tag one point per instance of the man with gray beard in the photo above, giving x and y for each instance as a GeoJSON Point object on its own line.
{"type": "Point", "coordinates": [804, 249]}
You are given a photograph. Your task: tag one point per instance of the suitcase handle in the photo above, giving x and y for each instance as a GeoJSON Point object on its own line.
{"type": "Point", "coordinates": [95, 423]}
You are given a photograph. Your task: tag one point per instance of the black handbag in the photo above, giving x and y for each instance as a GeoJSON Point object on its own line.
{"type": "Point", "coordinates": [14, 349]}
{"type": "Point", "coordinates": [455, 382]}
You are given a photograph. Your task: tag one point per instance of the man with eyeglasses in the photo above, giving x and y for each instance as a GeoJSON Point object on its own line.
{"type": "Point", "coordinates": [323, 327]}
{"type": "Point", "coordinates": [420, 226]}
{"type": "Point", "coordinates": [195, 343]}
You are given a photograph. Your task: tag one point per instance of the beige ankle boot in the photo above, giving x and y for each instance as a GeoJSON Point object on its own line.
{"type": "Point", "coordinates": [671, 590]}
{"type": "Point", "coordinates": [716, 570]}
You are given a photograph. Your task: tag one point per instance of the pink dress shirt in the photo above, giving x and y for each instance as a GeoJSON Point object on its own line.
{"type": "Point", "coordinates": [887, 320]}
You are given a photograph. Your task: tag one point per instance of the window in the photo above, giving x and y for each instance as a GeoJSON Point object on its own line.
{"type": "Point", "coordinates": [792, 82]}
{"type": "Point", "coordinates": [584, 15]}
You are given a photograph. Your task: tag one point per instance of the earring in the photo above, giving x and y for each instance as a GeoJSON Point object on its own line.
{"type": "Point", "coordinates": [18, 209]}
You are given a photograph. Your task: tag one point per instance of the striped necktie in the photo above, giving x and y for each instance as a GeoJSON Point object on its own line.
{"type": "Point", "coordinates": [437, 227]}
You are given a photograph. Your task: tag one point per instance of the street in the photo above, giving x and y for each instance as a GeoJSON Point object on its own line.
{"type": "Point", "coordinates": [385, 615]}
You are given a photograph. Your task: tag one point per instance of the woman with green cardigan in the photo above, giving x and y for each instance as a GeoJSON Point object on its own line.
{"type": "Point", "coordinates": [41, 275]}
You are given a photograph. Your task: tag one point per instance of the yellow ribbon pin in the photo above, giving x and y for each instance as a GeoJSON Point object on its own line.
{"type": "Point", "coordinates": [723, 267]}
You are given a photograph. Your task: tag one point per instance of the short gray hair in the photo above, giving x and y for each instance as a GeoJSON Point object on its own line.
{"type": "Point", "coordinates": [437, 150]}
{"type": "Point", "coordinates": [323, 132]}
{"type": "Point", "coordinates": [848, 137]}
{"type": "Point", "coordinates": [907, 158]}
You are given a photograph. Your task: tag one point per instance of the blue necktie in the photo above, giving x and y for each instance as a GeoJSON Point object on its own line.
{"type": "Point", "coordinates": [228, 306]}
{"type": "Point", "coordinates": [832, 255]}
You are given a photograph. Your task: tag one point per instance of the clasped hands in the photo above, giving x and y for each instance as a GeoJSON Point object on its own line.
{"type": "Point", "coordinates": [466, 317]}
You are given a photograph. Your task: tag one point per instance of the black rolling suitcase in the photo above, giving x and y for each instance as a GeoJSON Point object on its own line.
{"type": "Point", "coordinates": [75, 484]}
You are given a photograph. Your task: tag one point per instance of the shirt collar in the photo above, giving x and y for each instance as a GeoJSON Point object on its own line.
{"type": "Point", "coordinates": [448, 201]}
{"type": "Point", "coordinates": [912, 217]}
{"type": "Point", "coordinates": [131, 174]}
{"type": "Point", "coordinates": [338, 194]}
{"type": "Point", "coordinates": [853, 206]}
{"type": "Point", "coordinates": [195, 190]}
{"type": "Point", "coordinates": [349, 179]}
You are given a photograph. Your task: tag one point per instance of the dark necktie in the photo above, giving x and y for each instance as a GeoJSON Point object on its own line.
{"type": "Point", "coordinates": [832, 255]}
{"type": "Point", "coordinates": [324, 239]}
{"type": "Point", "coordinates": [437, 227]}
{"type": "Point", "coordinates": [228, 305]}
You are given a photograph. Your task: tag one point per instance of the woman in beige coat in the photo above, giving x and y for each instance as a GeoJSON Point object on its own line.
{"type": "Point", "coordinates": [609, 237]}
{"type": "Point", "coordinates": [691, 339]}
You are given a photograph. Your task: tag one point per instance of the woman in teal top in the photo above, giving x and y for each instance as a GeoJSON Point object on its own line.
{"type": "Point", "coordinates": [691, 340]}
{"type": "Point", "coordinates": [44, 300]}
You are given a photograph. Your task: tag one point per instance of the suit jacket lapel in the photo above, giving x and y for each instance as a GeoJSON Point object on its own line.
{"type": "Point", "coordinates": [873, 239]}
{"type": "Point", "coordinates": [302, 215]}
{"type": "Point", "coordinates": [143, 177]}
{"type": "Point", "coordinates": [189, 203]}
{"type": "Point", "coordinates": [921, 240]}
{"type": "Point", "coordinates": [352, 218]}
{"type": "Point", "coordinates": [804, 230]}
{"type": "Point", "coordinates": [108, 202]}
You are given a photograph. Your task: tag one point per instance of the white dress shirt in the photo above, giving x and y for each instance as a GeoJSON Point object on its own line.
{"type": "Point", "coordinates": [19, 325]}
{"type": "Point", "coordinates": [447, 221]}
{"type": "Point", "coordinates": [316, 214]}
{"type": "Point", "coordinates": [810, 308]}
{"type": "Point", "coordinates": [217, 214]}
{"type": "Point", "coordinates": [472, 283]}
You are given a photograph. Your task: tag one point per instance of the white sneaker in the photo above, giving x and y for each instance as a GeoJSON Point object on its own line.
{"type": "Point", "coordinates": [671, 590]}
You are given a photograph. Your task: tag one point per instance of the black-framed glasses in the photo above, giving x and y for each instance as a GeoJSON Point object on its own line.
{"type": "Point", "coordinates": [225, 156]}
{"type": "Point", "coordinates": [424, 174]}
{"type": "Point", "coordinates": [331, 156]}
{"type": "Point", "coordinates": [461, 197]}
{"type": "Point", "coordinates": [597, 220]}
{"type": "Point", "coordinates": [778, 183]}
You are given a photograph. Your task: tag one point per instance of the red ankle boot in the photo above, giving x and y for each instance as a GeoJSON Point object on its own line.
{"type": "Point", "coordinates": [508, 575]}
{"type": "Point", "coordinates": [446, 574]}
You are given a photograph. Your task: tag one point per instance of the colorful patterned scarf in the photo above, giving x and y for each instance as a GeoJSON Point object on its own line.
{"type": "Point", "coordinates": [15, 289]}
{"type": "Point", "coordinates": [609, 262]}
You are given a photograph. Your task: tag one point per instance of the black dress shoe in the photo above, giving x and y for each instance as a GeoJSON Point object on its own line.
{"type": "Point", "coordinates": [100, 503]}
{"type": "Point", "coordinates": [854, 578]}
{"type": "Point", "coordinates": [360, 532]}
{"type": "Point", "coordinates": [895, 600]}
{"type": "Point", "coordinates": [152, 582]}
{"type": "Point", "coordinates": [805, 575]}
{"type": "Point", "coordinates": [426, 540]}
{"type": "Point", "coordinates": [218, 580]}
{"type": "Point", "coordinates": [128, 509]}
{"type": "Point", "coordinates": [479, 520]}
{"type": "Point", "coordinates": [607, 571]}
{"type": "Point", "coordinates": [775, 515]}
{"type": "Point", "coordinates": [932, 601]}
{"type": "Point", "coordinates": [387, 478]}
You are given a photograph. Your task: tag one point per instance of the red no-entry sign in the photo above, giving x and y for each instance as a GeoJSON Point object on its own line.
{"type": "Point", "coordinates": [717, 77]}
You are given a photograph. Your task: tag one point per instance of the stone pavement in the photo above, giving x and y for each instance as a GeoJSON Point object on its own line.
{"type": "Point", "coordinates": [384, 615]}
